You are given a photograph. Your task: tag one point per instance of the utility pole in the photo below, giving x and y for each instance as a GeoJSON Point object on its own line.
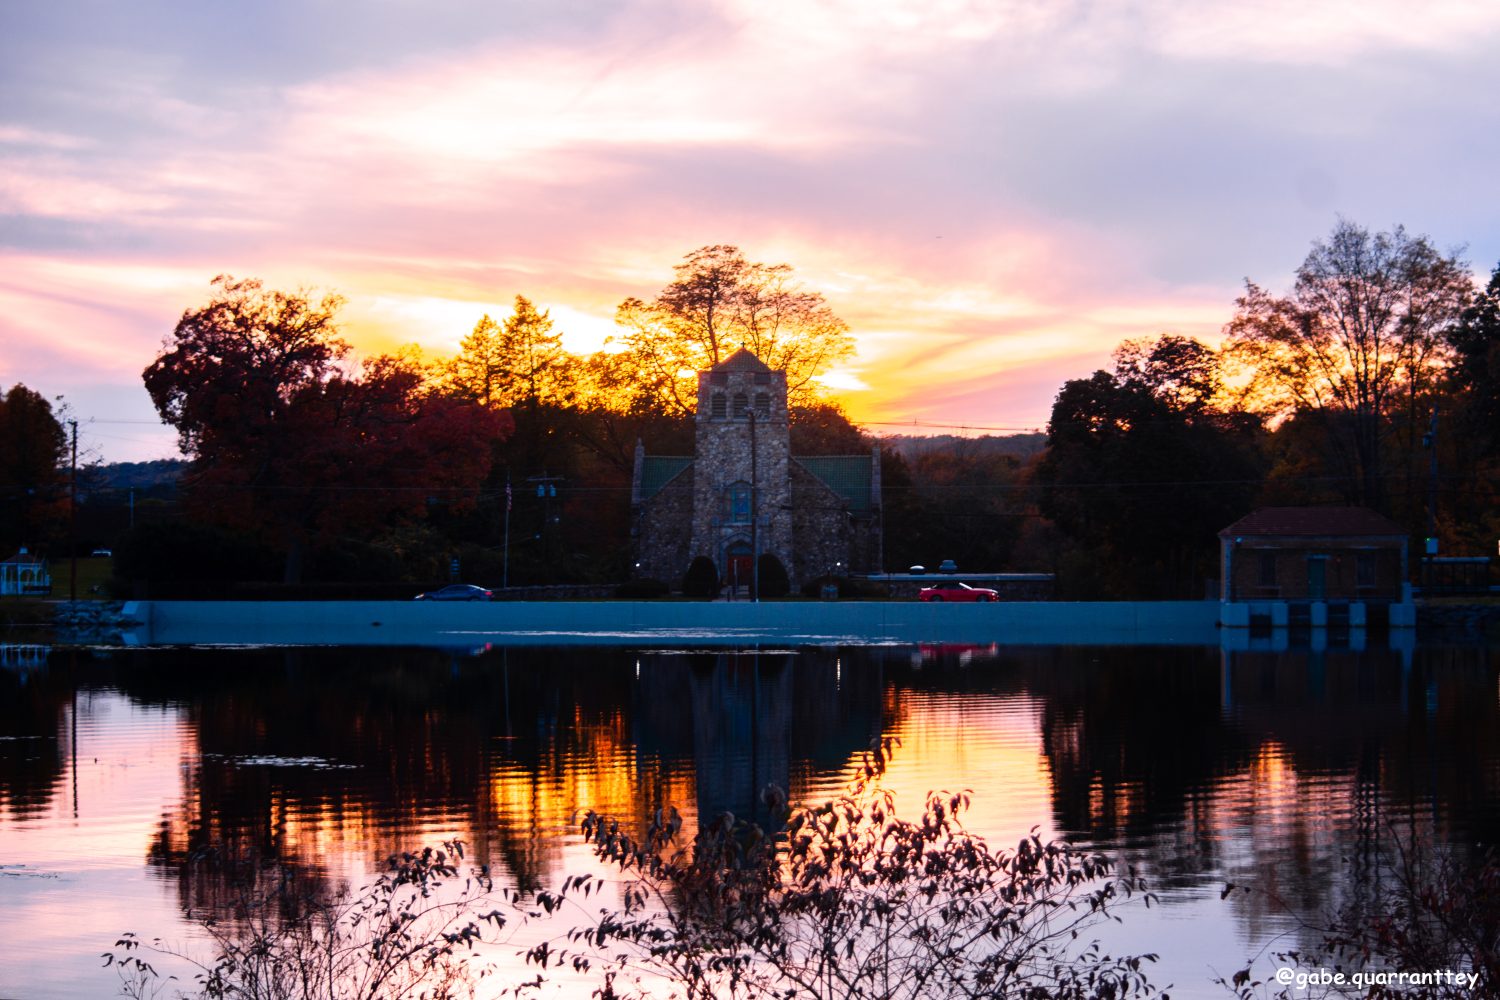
{"type": "Point", "coordinates": [73, 519]}
{"type": "Point", "coordinates": [505, 562]}
{"type": "Point", "coordinates": [754, 514]}
{"type": "Point", "coordinates": [1429, 440]}
{"type": "Point", "coordinates": [546, 492]}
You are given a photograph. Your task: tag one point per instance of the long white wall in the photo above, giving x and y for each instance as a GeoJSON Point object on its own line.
{"type": "Point", "coordinates": [677, 622]}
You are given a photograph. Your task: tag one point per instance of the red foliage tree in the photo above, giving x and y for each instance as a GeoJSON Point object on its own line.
{"type": "Point", "coordinates": [291, 441]}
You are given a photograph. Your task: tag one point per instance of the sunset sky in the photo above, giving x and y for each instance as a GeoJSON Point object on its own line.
{"type": "Point", "coordinates": [992, 194]}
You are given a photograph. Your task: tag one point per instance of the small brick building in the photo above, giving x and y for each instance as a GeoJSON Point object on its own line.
{"type": "Point", "coordinates": [1313, 554]}
{"type": "Point", "coordinates": [742, 490]}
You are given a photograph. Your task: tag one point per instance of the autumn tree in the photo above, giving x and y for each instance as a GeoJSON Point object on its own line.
{"type": "Point", "coordinates": [32, 455]}
{"type": "Point", "coordinates": [478, 371]}
{"type": "Point", "coordinates": [718, 302]}
{"type": "Point", "coordinates": [1360, 340]}
{"type": "Point", "coordinates": [522, 360]}
{"type": "Point", "coordinates": [292, 441]}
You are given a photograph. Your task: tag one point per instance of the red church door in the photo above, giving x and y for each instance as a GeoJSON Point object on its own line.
{"type": "Point", "coordinates": [741, 569]}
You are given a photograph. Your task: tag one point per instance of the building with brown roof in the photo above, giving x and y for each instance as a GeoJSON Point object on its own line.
{"type": "Point", "coordinates": [1279, 560]}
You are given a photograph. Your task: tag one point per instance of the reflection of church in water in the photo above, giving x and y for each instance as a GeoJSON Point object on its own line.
{"type": "Point", "coordinates": [748, 719]}
{"type": "Point", "coordinates": [743, 490]}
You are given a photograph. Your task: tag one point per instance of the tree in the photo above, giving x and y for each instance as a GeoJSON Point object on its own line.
{"type": "Point", "coordinates": [478, 371]}
{"type": "Point", "coordinates": [290, 441]}
{"type": "Point", "coordinates": [1142, 469]}
{"type": "Point", "coordinates": [33, 450]}
{"type": "Point", "coordinates": [1475, 373]}
{"type": "Point", "coordinates": [521, 361]}
{"type": "Point", "coordinates": [1468, 429]}
{"type": "Point", "coordinates": [1180, 373]}
{"type": "Point", "coordinates": [823, 428]}
{"type": "Point", "coordinates": [719, 302]}
{"type": "Point", "coordinates": [1361, 337]}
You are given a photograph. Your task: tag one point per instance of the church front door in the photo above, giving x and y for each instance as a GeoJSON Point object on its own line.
{"type": "Point", "coordinates": [740, 571]}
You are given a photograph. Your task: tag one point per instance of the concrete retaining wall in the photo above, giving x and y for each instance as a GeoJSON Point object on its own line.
{"type": "Point", "coordinates": [633, 622]}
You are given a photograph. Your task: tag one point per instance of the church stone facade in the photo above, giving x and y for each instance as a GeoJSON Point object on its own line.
{"type": "Point", "coordinates": [743, 492]}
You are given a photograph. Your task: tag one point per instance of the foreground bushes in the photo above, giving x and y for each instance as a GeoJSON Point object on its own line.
{"type": "Point", "coordinates": [842, 899]}
{"type": "Point", "coordinates": [847, 900]}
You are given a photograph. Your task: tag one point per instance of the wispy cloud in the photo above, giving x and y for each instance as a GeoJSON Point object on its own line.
{"type": "Point", "coordinates": [993, 194]}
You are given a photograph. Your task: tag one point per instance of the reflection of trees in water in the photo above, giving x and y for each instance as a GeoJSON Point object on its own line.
{"type": "Point", "coordinates": [308, 755]}
{"type": "Point", "coordinates": [1286, 771]}
{"type": "Point", "coordinates": [1363, 747]}
{"type": "Point", "coordinates": [34, 720]}
{"type": "Point", "coordinates": [1281, 770]}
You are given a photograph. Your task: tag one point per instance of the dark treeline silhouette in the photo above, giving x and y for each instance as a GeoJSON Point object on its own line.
{"type": "Point", "coordinates": [1374, 381]}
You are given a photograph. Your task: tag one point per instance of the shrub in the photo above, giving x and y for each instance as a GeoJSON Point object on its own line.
{"type": "Point", "coordinates": [774, 581]}
{"type": "Point", "coordinates": [846, 900]}
{"type": "Point", "coordinates": [814, 587]}
{"type": "Point", "coordinates": [644, 587]}
{"type": "Point", "coordinates": [839, 900]}
{"type": "Point", "coordinates": [701, 579]}
{"type": "Point", "coordinates": [405, 935]}
{"type": "Point", "coordinates": [1435, 911]}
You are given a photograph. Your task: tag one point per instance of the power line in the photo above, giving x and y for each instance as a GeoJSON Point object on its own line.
{"type": "Point", "coordinates": [953, 427]}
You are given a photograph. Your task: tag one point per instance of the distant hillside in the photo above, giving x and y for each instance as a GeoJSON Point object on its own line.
{"type": "Point", "coordinates": [165, 472]}
{"type": "Point", "coordinates": [1019, 446]}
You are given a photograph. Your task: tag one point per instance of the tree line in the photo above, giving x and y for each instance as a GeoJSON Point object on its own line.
{"type": "Point", "coordinates": [1373, 380]}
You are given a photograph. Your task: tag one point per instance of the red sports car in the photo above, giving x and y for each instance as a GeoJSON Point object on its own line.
{"type": "Point", "coordinates": [957, 592]}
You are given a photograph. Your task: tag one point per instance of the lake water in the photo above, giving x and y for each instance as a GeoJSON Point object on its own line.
{"type": "Point", "coordinates": [1277, 770]}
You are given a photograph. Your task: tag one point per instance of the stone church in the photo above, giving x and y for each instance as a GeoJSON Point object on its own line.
{"type": "Point", "coordinates": [743, 490]}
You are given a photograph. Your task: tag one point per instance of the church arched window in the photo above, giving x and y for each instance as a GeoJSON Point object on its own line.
{"type": "Point", "coordinates": [763, 405]}
{"type": "Point", "coordinates": [716, 406]}
{"type": "Point", "coordinates": [739, 503]}
{"type": "Point", "coordinates": [741, 404]}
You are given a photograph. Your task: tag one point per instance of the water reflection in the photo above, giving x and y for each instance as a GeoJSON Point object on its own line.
{"type": "Point", "coordinates": [1279, 769]}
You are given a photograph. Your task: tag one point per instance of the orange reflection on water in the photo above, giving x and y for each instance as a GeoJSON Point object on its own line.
{"type": "Point", "coordinates": [986, 744]}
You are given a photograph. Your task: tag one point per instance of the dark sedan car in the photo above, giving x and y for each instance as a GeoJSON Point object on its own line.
{"type": "Point", "coordinates": [957, 592]}
{"type": "Point", "coordinates": [456, 592]}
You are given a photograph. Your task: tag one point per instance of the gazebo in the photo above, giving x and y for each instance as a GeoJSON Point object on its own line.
{"type": "Point", "coordinates": [24, 573]}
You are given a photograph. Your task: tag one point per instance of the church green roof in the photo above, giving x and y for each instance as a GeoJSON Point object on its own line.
{"type": "Point", "coordinates": [846, 475]}
{"type": "Point", "coordinates": [658, 470]}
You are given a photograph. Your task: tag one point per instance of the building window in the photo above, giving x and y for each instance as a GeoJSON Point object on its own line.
{"type": "Point", "coordinates": [739, 503]}
{"type": "Point", "coordinates": [718, 378]}
{"type": "Point", "coordinates": [716, 406]}
{"type": "Point", "coordinates": [763, 404]}
{"type": "Point", "coordinates": [741, 404]}
{"type": "Point", "coordinates": [1268, 569]}
{"type": "Point", "coordinates": [762, 378]}
{"type": "Point", "coordinates": [1364, 569]}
